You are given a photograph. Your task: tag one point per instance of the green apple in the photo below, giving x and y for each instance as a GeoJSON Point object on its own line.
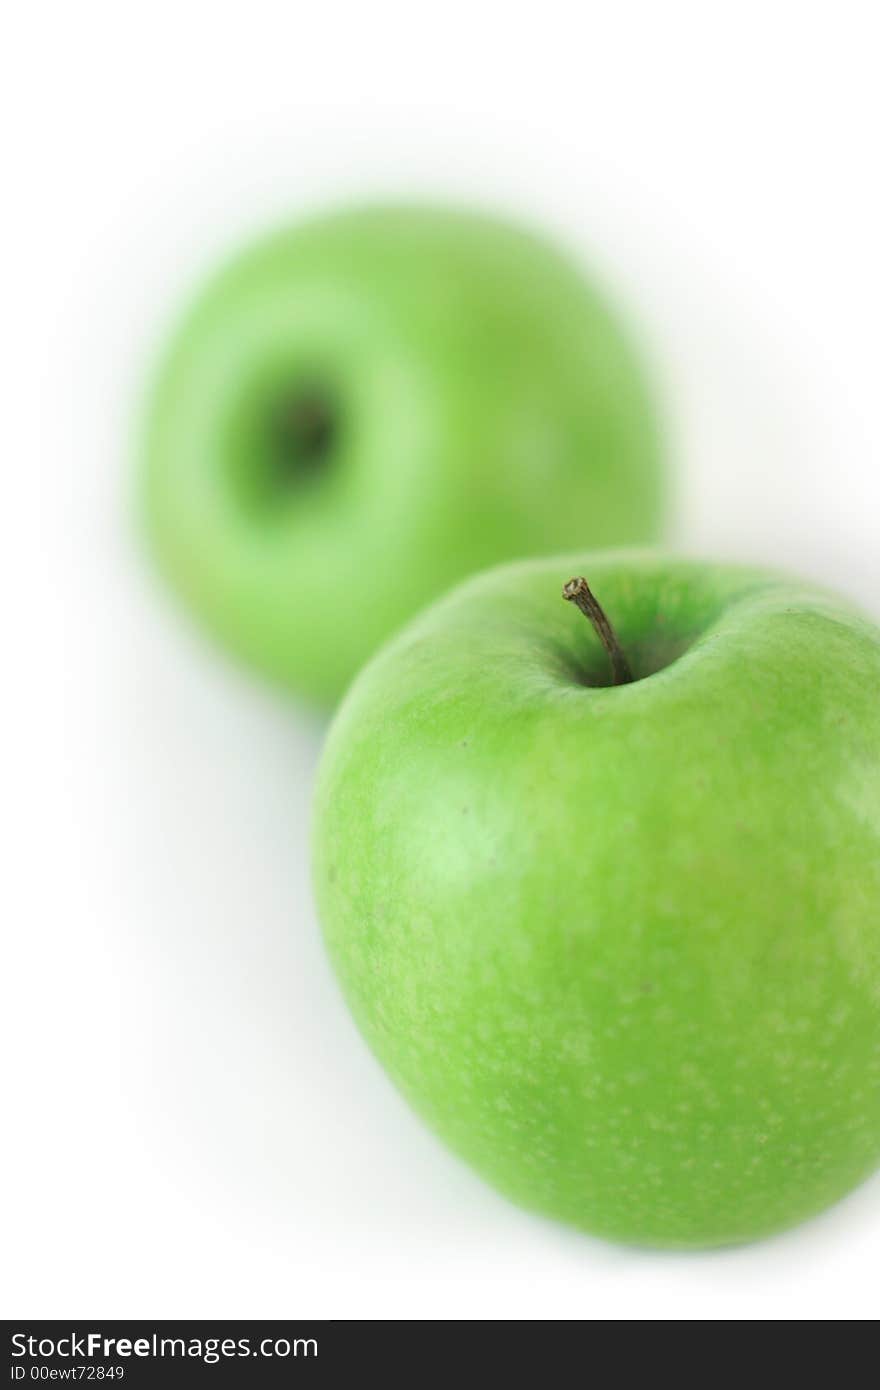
{"type": "Point", "coordinates": [387, 398]}
{"type": "Point", "coordinates": [619, 943]}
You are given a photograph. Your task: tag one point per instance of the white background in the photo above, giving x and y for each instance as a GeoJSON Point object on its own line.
{"type": "Point", "coordinates": [194, 1126]}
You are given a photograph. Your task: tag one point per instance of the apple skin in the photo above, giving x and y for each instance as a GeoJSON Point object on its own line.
{"type": "Point", "coordinates": [484, 404]}
{"type": "Point", "coordinates": [620, 946]}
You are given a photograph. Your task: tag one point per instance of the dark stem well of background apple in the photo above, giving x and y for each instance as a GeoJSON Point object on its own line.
{"type": "Point", "coordinates": [303, 433]}
{"type": "Point", "coordinates": [578, 592]}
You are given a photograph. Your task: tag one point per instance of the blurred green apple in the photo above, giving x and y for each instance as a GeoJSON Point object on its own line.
{"type": "Point", "coordinates": [620, 944]}
{"type": "Point", "coordinates": [362, 409]}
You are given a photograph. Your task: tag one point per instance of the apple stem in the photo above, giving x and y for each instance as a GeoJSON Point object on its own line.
{"type": "Point", "coordinates": [578, 592]}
